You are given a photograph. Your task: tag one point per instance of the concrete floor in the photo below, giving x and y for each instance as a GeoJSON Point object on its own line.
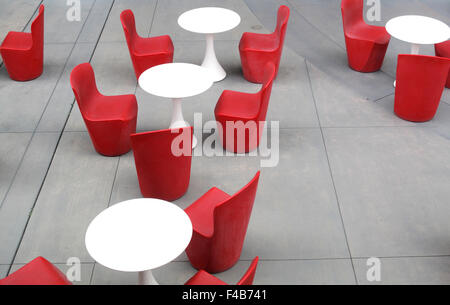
{"type": "Point", "coordinates": [353, 181]}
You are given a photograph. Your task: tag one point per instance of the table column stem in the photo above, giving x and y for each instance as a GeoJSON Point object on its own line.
{"type": "Point", "coordinates": [177, 114]}
{"type": "Point", "coordinates": [210, 61]}
{"type": "Point", "coordinates": [147, 278]}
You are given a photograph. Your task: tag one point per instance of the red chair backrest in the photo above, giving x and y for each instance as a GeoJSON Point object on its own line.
{"type": "Point", "coordinates": [264, 93]}
{"type": "Point", "coordinates": [163, 173]}
{"type": "Point", "coordinates": [282, 21]}
{"type": "Point", "coordinates": [82, 80]}
{"type": "Point", "coordinates": [231, 219]}
{"type": "Point", "coordinates": [248, 277]}
{"type": "Point", "coordinates": [129, 27]}
{"type": "Point", "coordinates": [352, 12]}
{"type": "Point", "coordinates": [37, 29]}
{"type": "Point", "coordinates": [420, 83]}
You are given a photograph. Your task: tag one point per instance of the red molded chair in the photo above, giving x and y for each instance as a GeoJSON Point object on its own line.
{"type": "Point", "coordinates": [163, 165]}
{"type": "Point", "coordinates": [366, 44]}
{"type": "Point", "coordinates": [243, 110]}
{"type": "Point", "coordinates": [37, 272]}
{"type": "Point", "coordinates": [258, 49]}
{"type": "Point", "coordinates": [145, 52]}
{"type": "Point", "coordinates": [219, 226]}
{"type": "Point", "coordinates": [23, 53]}
{"type": "Point", "coordinates": [110, 120]}
{"type": "Point", "coordinates": [204, 278]}
{"type": "Point", "coordinates": [420, 83]}
{"type": "Point", "coordinates": [443, 50]}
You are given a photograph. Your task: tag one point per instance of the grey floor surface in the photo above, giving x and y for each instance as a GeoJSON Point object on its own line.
{"type": "Point", "coordinates": [353, 181]}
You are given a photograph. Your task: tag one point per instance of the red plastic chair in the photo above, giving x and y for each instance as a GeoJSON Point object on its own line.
{"type": "Point", "coordinates": [241, 116]}
{"type": "Point", "coordinates": [145, 52]}
{"type": "Point", "coordinates": [420, 83]}
{"type": "Point", "coordinates": [163, 162]}
{"type": "Point", "coordinates": [37, 272]}
{"type": "Point", "coordinates": [366, 44]}
{"type": "Point", "coordinates": [204, 278]}
{"type": "Point", "coordinates": [219, 226]}
{"type": "Point", "coordinates": [258, 49]}
{"type": "Point", "coordinates": [110, 120]}
{"type": "Point", "coordinates": [23, 53]}
{"type": "Point", "coordinates": [443, 50]}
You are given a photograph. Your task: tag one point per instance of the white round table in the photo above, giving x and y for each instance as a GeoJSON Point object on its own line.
{"type": "Point", "coordinates": [139, 235]}
{"type": "Point", "coordinates": [210, 21]}
{"type": "Point", "coordinates": [418, 30]}
{"type": "Point", "coordinates": [176, 81]}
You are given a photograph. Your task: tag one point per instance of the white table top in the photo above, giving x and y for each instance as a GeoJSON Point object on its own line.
{"type": "Point", "coordinates": [138, 235]}
{"type": "Point", "coordinates": [176, 80]}
{"type": "Point", "coordinates": [418, 29]}
{"type": "Point", "coordinates": [209, 20]}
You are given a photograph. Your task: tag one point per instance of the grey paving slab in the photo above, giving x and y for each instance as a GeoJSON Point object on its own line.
{"type": "Point", "coordinates": [320, 50]}
{"type": "Point", "coordinates": [3, 270]}
{"type": "Point", "coordinates": [341, 106]}
{"type": "Point", "coordinates": [407, 271]}
{"type": "Point", "coordinates": [95, 21]}
{"type": "Point", "coordinates": [392, 185]}
{"type": "Point", "coordinates": [306, 272]}
{"type": "Point", "coordinates": [60, 103]}
{"type": "Point", "coordinates": [76, 189]}
{"type": "Point", "coordinates": [18, 204]}
{"type": "Point", "coordinates": [11, 151]}
{"type": "Point", "coordinates": [143, 13]}
{"type": "Point", "coordinates": [168, 11]}
{"type": "Point", "coordinates": [85, 272]}
{"type": "Point", "coordinates": [292, 216]}
{"type": "Point", "coordinates": [22, 103]}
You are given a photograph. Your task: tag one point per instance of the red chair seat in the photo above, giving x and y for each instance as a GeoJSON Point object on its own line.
{"type": "Point", "coordinates": [119, 107]}
{"type": "Point", "coordinates": [238, 104]}
{"type": "Point", "coordinates": [376, 34]}
{"type": "Point", "coordinates": [204, 278]}
{"type": "Point", "coordinates": [258, 42]}
{"type": "Point", "coordinates": [17, 41]}
{"type": "Point", "coordinates": [37, 272]}
{"type": "Point", "coordinates": [201, 211]}
{"type": "Point", "coordinates": [152, 45]}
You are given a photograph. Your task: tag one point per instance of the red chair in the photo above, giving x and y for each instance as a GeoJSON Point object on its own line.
{"type": "Point", "coordinates": [145, 52]}
{"type": "Point", "coordinates": [37, 272]}
{"type": "Point", "coordinates": [241, 116]}
{"type": "Point", "coordinates": [23, 53]}
{"type": "Point", "coordinates": [420, 83]}
{"type": "Point", "coordinates": [258, 49]}
{"type": "Point", "coordinates": [204, 278]}
{"type": "Point", "coordinates": [110, 120]}
{"type": "Point", "coordinates": [366, 44]}
{"type": "Point", "coordinates": [163, 162]}
{"type": "Point", "coordinates": [219, 226]}
{"type": "Point", "coordinates": [443, 50]}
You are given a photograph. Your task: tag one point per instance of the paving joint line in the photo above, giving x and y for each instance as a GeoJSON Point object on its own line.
{"type": "Point", "coordinates": [331, 173]}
